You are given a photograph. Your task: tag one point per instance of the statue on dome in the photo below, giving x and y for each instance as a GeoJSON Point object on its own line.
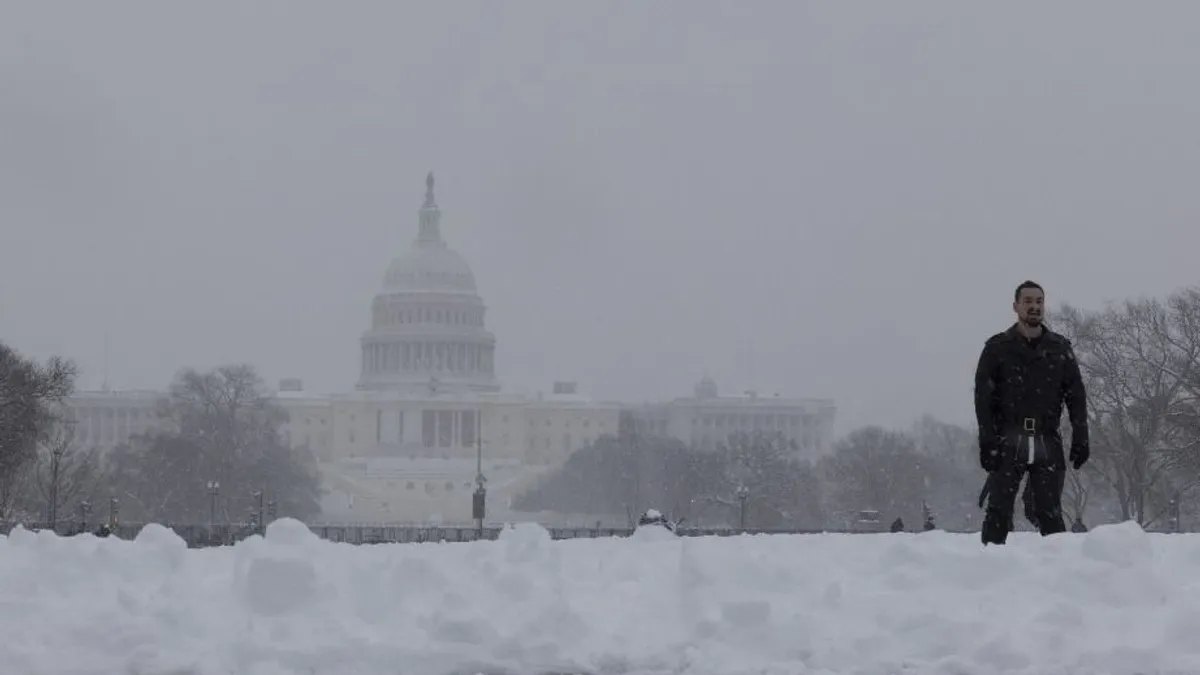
{"type": "Point", "coordinates": [429, 201]}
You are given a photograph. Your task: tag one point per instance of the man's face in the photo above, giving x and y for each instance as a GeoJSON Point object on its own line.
{"type": "Point", "coordinates": [1029, 306]}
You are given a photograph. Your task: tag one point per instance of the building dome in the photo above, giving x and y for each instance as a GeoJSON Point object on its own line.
{"type": "Point", "coordinates": [429, 267]}
{"type": "Point", "coordinates": [427, 322]}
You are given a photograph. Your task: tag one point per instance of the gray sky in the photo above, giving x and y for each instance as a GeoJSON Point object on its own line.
{"type": "Point", "coordinates": [849, 192]}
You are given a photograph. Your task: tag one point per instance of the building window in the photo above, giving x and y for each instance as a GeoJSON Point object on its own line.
{"type": "Point", "coordinates": [445, 428]}
{"type": "Point", "coordinates": [429, 428]}
{"type": "Point", "coordinates": [467, 427]}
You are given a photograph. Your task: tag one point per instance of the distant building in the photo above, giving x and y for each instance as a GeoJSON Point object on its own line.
{"type": "Point", "coordinates": [404, 445]}
{"type": "Point", "coordinates": [706, 418]}
{"type": "Point", "coordinates": [106, 419]}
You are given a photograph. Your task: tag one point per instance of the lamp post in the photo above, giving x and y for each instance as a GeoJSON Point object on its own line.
{"type": "Point", "coordinates": [84, 509]}
{"type": "Point", "coordinates": [262, 524]}
{"type": "Point", "coordinates": [214, 489]}
{"type": "Point", "coordinates": [56, 455]}
{"type": "Point", "coordinates": [112, 511]}
{"type": "Point", "coordinates": [743, 494]}
{"type": "Point", "coordinates": [479, 497]}
{"type": "Point", "coordinates": [1174, 510]}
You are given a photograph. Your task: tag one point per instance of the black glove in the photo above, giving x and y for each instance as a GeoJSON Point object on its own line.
{"type": "Point", "coordinates": [989, 454]}
{"type": "Point", "coordinates": [1079, 455]}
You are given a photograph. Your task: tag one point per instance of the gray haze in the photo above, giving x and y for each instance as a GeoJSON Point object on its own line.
{"type": "Point", "coordinates": [818, 199]}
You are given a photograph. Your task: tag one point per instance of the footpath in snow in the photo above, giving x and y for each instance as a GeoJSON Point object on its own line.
{"type": "Point", "coordinates": [1115, 600]}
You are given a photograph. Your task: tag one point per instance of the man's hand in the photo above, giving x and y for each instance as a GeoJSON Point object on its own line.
{"type": "Point", "coordinates": [989, 454]}
{"type": "Point", "coordinates": [1079, 455]}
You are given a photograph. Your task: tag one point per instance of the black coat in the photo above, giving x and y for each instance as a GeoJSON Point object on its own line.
{"type": "Point", "coordinates": [1018, 380]}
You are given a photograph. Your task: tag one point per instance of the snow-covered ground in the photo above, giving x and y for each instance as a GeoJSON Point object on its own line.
{"type": "Point", "coordinates": [1116, 600]}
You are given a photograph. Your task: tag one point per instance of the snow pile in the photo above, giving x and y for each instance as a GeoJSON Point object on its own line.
{"type": "Point", "coordinates": [1115, 600]}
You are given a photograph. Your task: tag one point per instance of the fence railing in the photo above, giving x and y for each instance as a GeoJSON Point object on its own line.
{"type": "Point", "coordinates": [199, 536]}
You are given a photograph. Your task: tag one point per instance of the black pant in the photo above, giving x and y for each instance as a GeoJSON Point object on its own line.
{"type": "Point", "coordinates": [1046, 480]}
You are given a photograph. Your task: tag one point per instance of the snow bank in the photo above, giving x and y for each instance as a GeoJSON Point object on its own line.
{"type": "Point", "coordinates": [1115, 600]}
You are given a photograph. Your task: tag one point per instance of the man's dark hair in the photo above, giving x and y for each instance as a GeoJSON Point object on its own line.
{"type": "Point", "coordinates": [1027, 284]}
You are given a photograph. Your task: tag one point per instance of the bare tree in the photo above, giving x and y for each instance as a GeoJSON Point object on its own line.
{"type": "Point", "coordinates": [630, 472]}
{"type": "Point", "coordinates": [1136, 362]}
{"type": "Point", "coordinates": [28, 393]}
{"type": "Point", "coordinates": [622, 474]}
{"type": "Point", "coordinates": [873, 468]}
{"type": "Point", "coordinates": [65, 474]}
{"type": "Point", "coordinates": [219, 426]}
{"type": "Point", "coordinates": [226, 410]}
{"type": "Point", "coordinates": [763, 484]}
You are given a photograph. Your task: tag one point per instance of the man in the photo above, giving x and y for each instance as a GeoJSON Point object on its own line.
{"type": "Point", "coordinates": [1024, 377]}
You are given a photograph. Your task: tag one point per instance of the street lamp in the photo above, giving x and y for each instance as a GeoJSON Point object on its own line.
{"type": "Point", "coordinates": [479, 497]}
{"type": "Point", "coordinates": [214, 489]}
{"type": "Point", "coordinates": [56, 455]}
{"type": "Point", "coordinates": [743, 494]}
{"type": "Point", "coordinates": [1173, 513]}
{"type": "Point", "coordinates": [262, 524]}
{"type": "Point", "coordinates": [112, 511]}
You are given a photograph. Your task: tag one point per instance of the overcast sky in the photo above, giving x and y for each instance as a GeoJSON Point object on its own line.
{"type": "Point", "coordinates": [831, 199]}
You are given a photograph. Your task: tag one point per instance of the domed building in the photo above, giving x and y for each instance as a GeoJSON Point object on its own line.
{"type": "Point", "coordinates": [427, 423]}
{"type": "Point", "coordinates": [428, 328]}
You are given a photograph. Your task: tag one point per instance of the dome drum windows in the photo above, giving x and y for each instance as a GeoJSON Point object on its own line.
{"type": "Point", "coordinates": [398, 312]}
{"type": "Point", "coordinates": [428, 357]}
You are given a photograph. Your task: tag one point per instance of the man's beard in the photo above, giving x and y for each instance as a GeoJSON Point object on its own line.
{"type": "Point", "coordinates": [1032, 321]}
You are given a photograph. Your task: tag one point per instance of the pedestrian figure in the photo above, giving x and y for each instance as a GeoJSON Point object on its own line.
{"type": "Point", "coordinates": [1024, 378]}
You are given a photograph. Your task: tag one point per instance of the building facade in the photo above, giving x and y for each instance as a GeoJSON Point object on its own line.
{"type": "Point", "coordinates": [428, 418]}
{"type": "Point", "coordinates": [706, 418]}
{"type": "Point", "coordinates": [105, 419]}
